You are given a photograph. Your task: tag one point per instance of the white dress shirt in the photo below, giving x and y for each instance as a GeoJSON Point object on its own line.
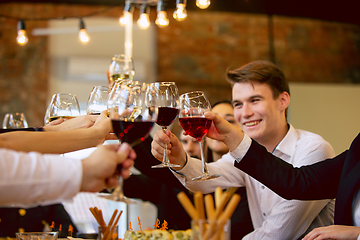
{"type": "Point", "coordinates": [31, 179]}
{"type": "Point", "coordinates": [272, 216]}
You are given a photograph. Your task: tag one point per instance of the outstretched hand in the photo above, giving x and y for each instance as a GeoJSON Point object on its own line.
{"type": "Point", "coordinates": [334, 232]}
{"type": "Point", "coordinates": [223, 131]}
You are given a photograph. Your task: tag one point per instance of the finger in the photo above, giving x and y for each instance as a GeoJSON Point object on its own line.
{"type": "Point", "coordinates": [111, 182]}
{"type": "Point", "coordinates": [56, 122]}
{"type": "Point", "coordinates": [111, 136]}
{"type": "Point", "coordinates": [126, 173]}
{"type": "Point", "coordinates": [128, 163]}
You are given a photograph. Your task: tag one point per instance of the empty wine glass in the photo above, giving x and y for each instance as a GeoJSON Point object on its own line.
{"type": "Point", "coordinates": [62, 105]}
{"type": "Point", "coordinates": [132, 118]}
{"type": "Point", "coordinates": [14, 120]}
{"type": "Point", "coordinates": [193, 106]}
{"type": "Point", "coordinates": [167, 101]}
{"type": "Point", "coordinates": [121, 67]}
{"type": "Point", "coordinates": [97, 101]}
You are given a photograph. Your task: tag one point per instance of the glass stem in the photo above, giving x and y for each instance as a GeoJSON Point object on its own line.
{"type": "Point", "coordinates": [165, 158]}
{"type": "Point", "coordinates": [204, 168]}
{"type": "Point", "coordinates": [120, 187]}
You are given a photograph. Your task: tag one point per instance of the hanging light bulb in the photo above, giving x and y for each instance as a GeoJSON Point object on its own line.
{"type": "Point", "coordinates": [202, 3]}
{"type": "Point", "coordinates": [180, 13]}
{"type": "Point", "coordinates": [83, 36]}
{"type": "Point", "coordinates": [21, 38]}
{"type": "Point", "coordinates": [143, 21]}
{"type": "Point", "coordinates": [161, 20]}
{"type": "Point", "coordinates": [126, 17]}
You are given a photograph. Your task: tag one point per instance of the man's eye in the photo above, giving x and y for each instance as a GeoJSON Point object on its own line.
{"type": "Point", "coordinates": [231, 121]}
{"type": "Point", "coordinates": [237, 105]}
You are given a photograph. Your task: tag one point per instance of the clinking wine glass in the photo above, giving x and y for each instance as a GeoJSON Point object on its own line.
{"type": "Point", "coordinates": [167, 97]}
{"type": "Point", "coordinates": [62, 105]}
{"type": "Point", "coordinates": [132, 118]}
{"type": "Point", "coordinates": [121, 67]}
{"type": "Point", "coordinates": [14, 120]}
{"type": "Point", "coordinates": [98, 100]}
{"type": "Point", "coordinates": [193, 106]}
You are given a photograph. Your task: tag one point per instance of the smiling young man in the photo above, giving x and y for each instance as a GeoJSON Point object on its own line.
{"type": "Point", "coordinates": [261, 97]}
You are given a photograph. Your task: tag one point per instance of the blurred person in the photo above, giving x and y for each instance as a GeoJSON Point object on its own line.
{"type": "Point", "coordinates": [260, 96]}
{"type": "Point", "coordinates": [190, 145]}
{"type": "Point", "coordinates": [63, 138]}
{"type": "Point", "coordinates": [70, 135]}
{"type": "Point", "coordinates": [30, 179]}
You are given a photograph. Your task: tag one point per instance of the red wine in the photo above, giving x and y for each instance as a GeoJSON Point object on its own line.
{"type": "Point", "coordinates": [131, 132]}
{"type": "Point", "coordinates": [196, 127]}
{"type": "Point", "coordinates": [166, 116]}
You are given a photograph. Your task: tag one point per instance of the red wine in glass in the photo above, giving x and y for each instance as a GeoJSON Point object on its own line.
{"type": "Point", "coordinates": [166, 116]}
{"type": "Point", "coordinates": [197, 127]}
{"type": "Point", "coordinates": [131, 132]}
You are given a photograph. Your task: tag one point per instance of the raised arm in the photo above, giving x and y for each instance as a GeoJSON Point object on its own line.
{"type": "Point", "coordinates": [60, 141]}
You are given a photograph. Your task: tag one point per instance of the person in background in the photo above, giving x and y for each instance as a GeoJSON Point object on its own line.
{"type": "Point", "coordinates": [260, 96]}
{"type": "Point", "coordinates": [190, 145]}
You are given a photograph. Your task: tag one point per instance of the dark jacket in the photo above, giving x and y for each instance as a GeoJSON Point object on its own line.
{"type": "Point", "coordinates": [333, 178]}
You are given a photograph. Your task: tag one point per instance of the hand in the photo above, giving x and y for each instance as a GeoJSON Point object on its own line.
{"type": "Point", "coordinates": [100, 167]}
{"type": "Point", "coordinates": [84, 121]}
{"type": "Point", "coordinates": [335, 232]}
{"type": "Point", "coordinates": [224, 131]}
{"type": "Point", "coordinates": [176, 152]}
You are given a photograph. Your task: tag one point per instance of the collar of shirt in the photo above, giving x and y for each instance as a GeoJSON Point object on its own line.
{"type": "Point", "coordinates": [287, 145]}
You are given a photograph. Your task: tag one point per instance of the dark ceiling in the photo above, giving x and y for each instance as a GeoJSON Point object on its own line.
{"type": "Point", "coordinates": [330, 10]}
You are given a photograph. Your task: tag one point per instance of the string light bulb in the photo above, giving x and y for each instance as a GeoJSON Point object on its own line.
{"type": "Point", "coordinates": [83, 36]}
{"type": "Point", "coordinates": [161, 19]}
{"type": "Point", "coordinates": [143, 21]}
{"type": "Point", "coordinates": [126, 17]}
{"type": "Point", "coordinates": [203, 4]}
{"type": "Point", "coordinates": [21, 38]}
{"type": "Point", "coordinates": [180, 13]}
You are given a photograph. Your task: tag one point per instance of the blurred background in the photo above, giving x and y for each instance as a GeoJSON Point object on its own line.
{"type": "Point", "coordinates": [316, 43]}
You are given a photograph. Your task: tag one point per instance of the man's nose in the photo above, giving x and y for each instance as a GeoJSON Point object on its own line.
{"type": "Point", "coordinates": [247, 111]}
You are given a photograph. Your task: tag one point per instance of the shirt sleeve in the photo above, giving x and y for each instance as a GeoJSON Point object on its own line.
{"type": "Point", "coordinates": [242, 149]}
{"type": "Point", "coordinates": [30, 179]}
{"type": "Point", "coordinates": [230, 175]}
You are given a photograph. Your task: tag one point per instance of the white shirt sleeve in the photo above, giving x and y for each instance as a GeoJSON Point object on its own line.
{"type": "Point", "coordinates": [30, 179]}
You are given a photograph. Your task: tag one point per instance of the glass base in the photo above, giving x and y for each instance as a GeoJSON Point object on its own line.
{"type": "Point", "coordinates": [165, 165]}
{"type": "Point", "coordinates": [115, 197]}
{"type": "Point", "coordinates": [205, 177]}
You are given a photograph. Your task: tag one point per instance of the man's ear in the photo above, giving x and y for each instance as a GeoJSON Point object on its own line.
{"type": "Point", "coordinates": [284, 100]}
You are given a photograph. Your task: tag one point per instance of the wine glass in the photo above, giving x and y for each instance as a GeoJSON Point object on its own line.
{"type": "Point", "coordinates": [167, 97]}
{"type": "Point", "coordinates": [193, 106]}
{"type": "Point", "coordinates": [132, 118]}
{"type": "Point", "coordinates": [62, 105]}
{"type": "Point", "coordinates": [14, 120]}
{"type": "Point", "coordinates": [98, 100]}
{"type": "Point", "coordinates": [121, 67]}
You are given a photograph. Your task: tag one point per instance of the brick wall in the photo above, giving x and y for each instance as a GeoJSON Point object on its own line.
{"type": "Point", "coordinates": [194, 53]}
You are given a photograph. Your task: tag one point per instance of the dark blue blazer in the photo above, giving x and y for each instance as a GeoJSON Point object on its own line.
{"type": "Point", "coordinates": [333, 178]}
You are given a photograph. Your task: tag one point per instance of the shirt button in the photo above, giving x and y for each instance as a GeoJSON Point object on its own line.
{"type": "Point", "coordinates": [264, 214]}
{"type": "Point", "coordinates": [22, 212]}
{"type": "Point", "coordinates": [262, 187]}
